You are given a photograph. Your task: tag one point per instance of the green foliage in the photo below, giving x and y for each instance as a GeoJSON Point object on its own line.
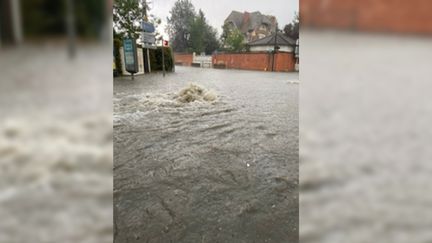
{"type": "Point", "coordinates": [235, 41]}
{"type": "Point", "coordinates": [47, 17]}
{"type": "Point", "coordinates": [156, 59]}
{"type": "Point", "coordinates": [190, 32]}
{"type": "Point", "coordinates": [117, 57]}
{"type": "Point", "coordinates": [127, 15]}
{"type": "Point", "coordinates": [90, 16]}
{"type": "Point", "coordinates": [212, 42]}
{"type": "Point", "coordinates": [43, 17]}
{"type": "Point", "coordinates": [198, 28]}
{"type": "Point", "coordinates": [232, 38]}
{"type": "Point", "coordinates": [182, 15]}
{"type": "Point", "coordinates": [292, 29]}
{"type": "Point", "coordinates": [226, 29]}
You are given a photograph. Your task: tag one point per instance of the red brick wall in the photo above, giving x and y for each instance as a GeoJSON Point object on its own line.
{"type": "Point", "coordinates": [408, 16]}
{"type": "Point", "coordinates": [183, 59]}
{"type": "Point", "coordinates": [284, 62]}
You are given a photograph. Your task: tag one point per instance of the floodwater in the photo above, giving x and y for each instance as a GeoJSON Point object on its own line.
{"type": "Point", "coordinates": [55, 145]}
{"type": "Point", "coordinates": [218, 169]}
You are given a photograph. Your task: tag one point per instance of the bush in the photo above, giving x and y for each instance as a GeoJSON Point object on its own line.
{"type": "Point", "coordinates": [117, 58]}
{"type": "Point", "coordinates": [156, 59]}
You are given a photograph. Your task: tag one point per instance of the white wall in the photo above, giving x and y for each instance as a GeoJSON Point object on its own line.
{"type": "Point", "coordinates": [204, 61]}
{"type": "Point", "coordinates": [267, 48]}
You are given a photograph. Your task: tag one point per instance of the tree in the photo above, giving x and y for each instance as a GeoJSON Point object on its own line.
{"type": "Point", "coordinates": [235, 40]}
{"type": "Point", "coordinates": [292, 29]}
{"type": "Point", "coordinates": [226, 29]}
{"type": "Point", "coordinates": [212, 42]}
{"type": "Point", "coordinates": [203, 37]}
{"type": "Point", "coordinates": [127, 17]}
{"type": "Point", "coordinates": [182, 17]}
{"type": "Point", "coordinates": [232, 38]}
{"type": "Point", "coordinates": [197, 33]}
{"type": "Point", "coordinates": [189, 31]}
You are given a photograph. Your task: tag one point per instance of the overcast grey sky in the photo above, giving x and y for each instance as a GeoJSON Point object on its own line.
{"type": "Point", "coordinates": [217, 10]}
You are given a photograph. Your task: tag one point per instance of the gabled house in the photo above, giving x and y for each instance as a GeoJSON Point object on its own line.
{"type": "Point", "coordinates": [253, 25]}
{"type": "Point", "coordinates": [285, 43]}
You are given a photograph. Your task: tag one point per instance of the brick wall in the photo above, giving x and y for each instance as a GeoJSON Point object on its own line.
{"type": "Point", "coordinates": [262, 61]}
{"type": "Point", "coordinates": [183, 59]}
{"type": "Point", "coordinates": [406, 16]}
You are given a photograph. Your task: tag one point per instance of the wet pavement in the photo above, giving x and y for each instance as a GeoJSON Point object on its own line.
{"type": "Point", "coordinates": [223, 170]}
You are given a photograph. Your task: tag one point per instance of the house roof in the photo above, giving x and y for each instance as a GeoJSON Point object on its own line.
{"type": "Point", "coordinates": [248, 21]}
{"type": "Point", "coordinates": [236, 18]}
{"type": "Point", "coordinates": [281, 40]}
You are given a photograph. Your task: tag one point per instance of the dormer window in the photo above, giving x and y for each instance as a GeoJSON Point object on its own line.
{"type": "Point", "coordinates": [263, 27]}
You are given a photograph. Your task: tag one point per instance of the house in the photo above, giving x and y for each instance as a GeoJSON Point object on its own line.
{"type": "Point", "coordinates": [253, 25]}
{"type": "Point", "coordinates": [285, 43]}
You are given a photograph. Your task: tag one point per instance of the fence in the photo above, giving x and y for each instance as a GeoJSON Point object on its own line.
{"type": "Point", "coordinates": [202, 60]}
{"type": "Point", "coordinates": [262, 61]}
{"type": "Point", "coordinates": [184, 59]}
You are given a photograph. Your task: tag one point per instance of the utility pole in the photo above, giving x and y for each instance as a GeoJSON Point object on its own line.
{"type": "Point", "coordinates": [163, 58]}
{"type": "Point", "coordinates": [70, 26]}
{"type": "Point", "coordinates": [16, 21]}
{"type": "Point", "coordinates": [147, 53]}
{"type": "Point", "coordinates": [275, 48]}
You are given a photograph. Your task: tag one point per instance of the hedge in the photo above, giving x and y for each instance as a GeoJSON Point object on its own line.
{"type": "Point", "coordinates": [156, 59]}
{"type": "Point", "coordinates": [117, 57]}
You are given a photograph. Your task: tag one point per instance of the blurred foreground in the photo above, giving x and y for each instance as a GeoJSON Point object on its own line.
{"type": "Point", "coordinates": [55, 123]}
{"type": "Point", "coordinates": [364, 122]}
{"type": "Point", "coordinates": [395, 16]}
{"type": "Point", "coordinates": [365, 171]}
{"type": "Point", "coordinates": [56, 144]}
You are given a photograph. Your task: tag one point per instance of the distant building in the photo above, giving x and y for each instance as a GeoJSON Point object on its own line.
{"type": "Point", "coordinates": [253, 25]}
{"type": "Point", "coordinates": [268, 43]}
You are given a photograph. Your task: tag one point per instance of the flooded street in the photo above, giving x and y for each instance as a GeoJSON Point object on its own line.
{"type": "Point", "coordinates": [220, 169]}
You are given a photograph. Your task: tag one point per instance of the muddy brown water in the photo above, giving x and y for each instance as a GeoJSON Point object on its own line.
{"type": "Point", "coordinates": [219, 171]}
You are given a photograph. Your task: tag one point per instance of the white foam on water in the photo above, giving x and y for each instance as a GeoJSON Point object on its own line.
{"type": "Point", "coordinates": [131, 108]}
{"type": "Point", "coordinates": [194, 92]}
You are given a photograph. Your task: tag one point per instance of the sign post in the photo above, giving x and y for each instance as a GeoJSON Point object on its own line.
{"type": "Point", "coordinates": [163, 57]}
{"type": "Point", "coordinates": [147, 27]}
{"type": "Point", "coordinates": [148, 40]}
{"type": "Point", "coordinates": [130, 56]}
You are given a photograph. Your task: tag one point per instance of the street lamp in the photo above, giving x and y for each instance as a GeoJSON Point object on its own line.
{"type": "Point", "coordinates": [70, 25]}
